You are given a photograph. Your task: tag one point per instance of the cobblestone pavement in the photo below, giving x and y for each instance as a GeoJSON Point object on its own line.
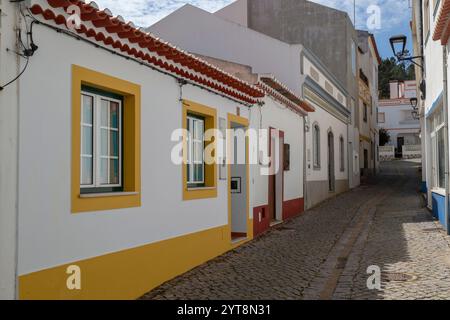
{"type": "Point", "coordinates": [325, 253]}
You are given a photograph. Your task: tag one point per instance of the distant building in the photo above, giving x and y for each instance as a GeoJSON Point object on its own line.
{"type": "Point", "coordinates": [366, 115]}
{"type": "Point", "coordinates": [395, 115]}
{"type": "Point", "coordinates": [326, 32]}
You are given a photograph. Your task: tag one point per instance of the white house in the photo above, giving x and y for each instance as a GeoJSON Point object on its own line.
{"type": "Point", "coordinates": [431, 33]}
{"type": "Point", "coordinates": [96, 200]}
{"type": "Point", "coordinates": [327, 138]}
{"type": "Point", "coordinates": [368, 62]}
{"type": "Point", "coordinates": [276, 193]}
{"type": "Point", "coordinates": [395, 115]}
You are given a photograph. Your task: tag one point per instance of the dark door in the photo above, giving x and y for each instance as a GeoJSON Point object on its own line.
{"type": "Point", "coordinates": [331, 161]}
{"type": "Point", "coordinates": [366, 159]}
{"type": "Point", "coordinates": [272, 198]}
{"type": "Point", "coordinates": [400, 144]}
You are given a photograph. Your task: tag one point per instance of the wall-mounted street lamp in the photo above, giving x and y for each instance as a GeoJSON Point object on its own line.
{"type": "Point", "coordinates": [415, 112]}
{"type": "Point", "coordinates": [398, 45]}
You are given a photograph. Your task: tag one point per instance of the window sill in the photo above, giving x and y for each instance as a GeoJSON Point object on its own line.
{"type": "Point", "coordinates": [438, 191]}
{"type": "Point", "coordinates": [201, 188]}
{"type": "Point", "coordinates": [199, 193]}
{"type": "Point", "coordinates": [109, 194]}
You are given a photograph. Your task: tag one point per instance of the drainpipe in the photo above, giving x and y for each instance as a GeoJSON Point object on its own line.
{"type": "Point", "coordinates": [445, 105]}
{"type": "Point", "coordinates": [305, 184]}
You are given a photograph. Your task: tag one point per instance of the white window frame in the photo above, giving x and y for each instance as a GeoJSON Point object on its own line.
{"type": "Point", "coordinates": [192, 120]}
{"type": "Point", "coordinates": [96, 145]}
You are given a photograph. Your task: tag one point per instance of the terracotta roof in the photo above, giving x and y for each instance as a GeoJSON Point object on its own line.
{"type": "Point", "coordinates": [101, 26]}
{"type": "Point", "coordinates": [442, 29]}
{"type": "Point", "coordinates": [281, 92]}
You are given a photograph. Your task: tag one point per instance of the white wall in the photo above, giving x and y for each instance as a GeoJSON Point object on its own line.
{"type": "Point", "coordinates": [275, 115]}
{"type": "Point", "coordinates": [236, 12]}
{"type": "Point", "coordinates": [49, 234]}
{"type": "Point", "coordinates": [210, 35]}
{"type": "Point", "coordinates": [325, 121]}
{"type": "Point", "coordinates": [399, 121]}
{"type": "Point", "coordinates": [9, 69]}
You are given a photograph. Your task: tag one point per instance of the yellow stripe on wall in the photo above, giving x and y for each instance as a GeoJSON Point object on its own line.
{"type": "Point", "coordinates": [130, 273]}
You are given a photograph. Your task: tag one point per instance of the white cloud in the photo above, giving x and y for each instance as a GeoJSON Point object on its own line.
{"type": "Point", "coordinates": [146, 12]}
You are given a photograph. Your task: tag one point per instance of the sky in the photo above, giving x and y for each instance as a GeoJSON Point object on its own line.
{"type": "Point", "coordinates": [393, 18]}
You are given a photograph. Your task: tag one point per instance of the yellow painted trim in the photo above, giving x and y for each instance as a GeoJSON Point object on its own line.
{"type": "Point", "coordinates": [244, 122]}
{"type": "Point", "coordinates": [210, 115]}
{"type": "Point", "coordinates": [362, 137]}
{"type": "Point", "coordinates": [132, 140]}
{"type": "Point", "coordinates": [130, 273]}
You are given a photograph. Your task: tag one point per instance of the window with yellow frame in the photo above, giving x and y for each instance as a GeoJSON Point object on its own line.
{"type": "Point", "coordinates": [199, 152]}
{"type": "Point", "coordinates": [105, 142]}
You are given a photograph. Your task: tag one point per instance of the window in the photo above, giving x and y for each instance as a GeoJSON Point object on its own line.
{"type": "Point", "coordinates": [365, 112]}
{"type": "Point", "coordinates": [329, 87]}
{"type": "Point", "coordinates": [381, 117]}
{"type": "Point", "coordinates": [436, 126]}
{"type": "Point", "coordinates": [195, 151]}
{"type": "Point", "coordinates": [342, 154]}
{"type": "Point", "coordinates": [314, 74]}
{"type": "Point", "coordinates": [105, 142]}
{"type": "Point", "coordinates": [101, 142]}
{"type": "Point", "coordinates": [316, 146]}
{"type": "Point", "coordinates": [199, 152]}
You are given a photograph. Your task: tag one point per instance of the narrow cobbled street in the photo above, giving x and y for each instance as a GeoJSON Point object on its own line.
{"type": "Point", "coordinates": [326, 252]}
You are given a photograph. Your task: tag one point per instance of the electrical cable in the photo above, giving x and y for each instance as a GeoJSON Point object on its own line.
{"type": "Point", "coordinates": [17, 77]}
{"type": "Point", "coordinates": [27, 50]}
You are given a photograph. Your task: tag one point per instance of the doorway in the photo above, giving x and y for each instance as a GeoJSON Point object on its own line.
{"type": "Point", "coordinates": [400, 144]}
{"type": "Point", "coordinates": [331, 160]}
{"type": "Point", "coordinates": [276, 177]}
{"type": "Point", "coordinates": [238, 178]}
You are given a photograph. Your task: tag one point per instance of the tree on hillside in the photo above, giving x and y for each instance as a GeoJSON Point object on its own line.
{"type": "Point", "coordinates": [391, 69]}
{"type": "Point", "coordinates": [385, 137]}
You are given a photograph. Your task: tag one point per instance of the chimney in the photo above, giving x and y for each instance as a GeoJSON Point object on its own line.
{"type": "Point", "coordinates": [393, 88]}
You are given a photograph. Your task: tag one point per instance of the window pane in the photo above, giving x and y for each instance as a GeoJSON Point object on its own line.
{"type": "Point", "coordinates": [104, 142]}
{"type": "Point", "coordinates": [114, 143]}
{"type": "Point", "coordinates": [198, 173]}
{"type": "Point", "coordinates": [104, 171]}
{"type": "Point", "coordinates": [87, 109]}
{"type": "Point", "coordinates": [198, 151]}
{"type": "Point", "coordinates": [114, 172]}
{"type": "Point", "coordinates": [104, 113]}
{"type": "Point", "coordinates": [86, 140]}
{"type": "Point", "coordinates": [114, 115]}
{"type": "Point", "coordinates": [198, 130]}
{"type": "Point", "coordinates": [86, 169]}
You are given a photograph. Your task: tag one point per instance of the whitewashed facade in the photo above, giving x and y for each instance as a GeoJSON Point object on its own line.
{"type": "Point", "coordinates": [395, 116]}
{"type": "Point", "coordinates": [288, 63]}
{"type": "Point", "coordinates": [121, 243]}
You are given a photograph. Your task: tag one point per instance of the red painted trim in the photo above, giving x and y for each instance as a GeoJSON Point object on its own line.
{"type": "Point", "coordinates": [261, 226]}
{"type": "Point", "coordinates": [293, 208]}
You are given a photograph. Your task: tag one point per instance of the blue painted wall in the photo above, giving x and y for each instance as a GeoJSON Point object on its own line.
{"type": "Point", "coordinates": [439, 207]}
